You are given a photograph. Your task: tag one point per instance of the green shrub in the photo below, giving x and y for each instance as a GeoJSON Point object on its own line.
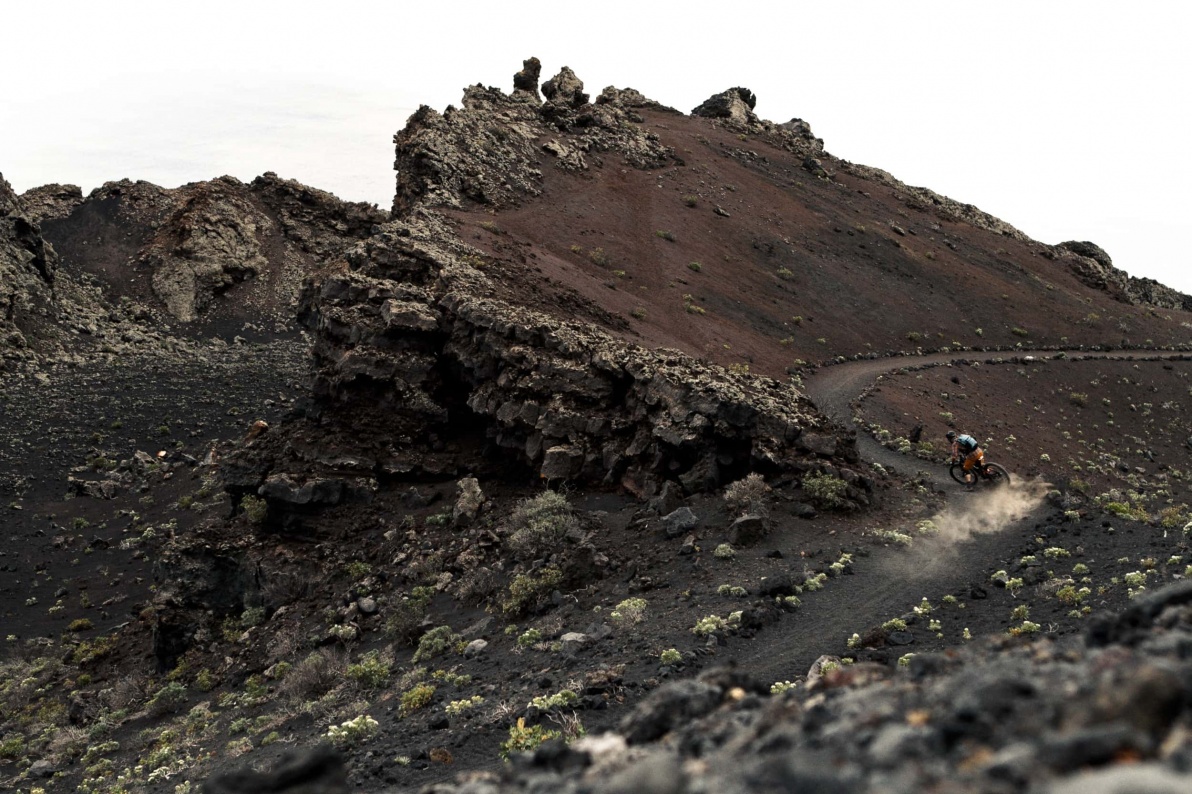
{"type": "Point", "coordinates": [694, 267]}
{"type": "Point", "coordinates": [1019, 331]}
{"type": "Point", "coordinates": [597, 256]}
{"type": "Point", "coordinates": [665, 235]}
{"type": "Point", "coordinates": [670, 656]}
{"type": "Point", "coordinates": [371, 671]}
{"type": "Point", "coordinates": [690, 200]}
{"type": "Point", "coordinates": [82, 624]}
{"type": "Point", "coordinates": [709, 625]}
{"type": "Point", "coordinates": [529, 638]}
{"type": "Point", "coordinates": [523, 739]}
{"type": "Point", "coordinates": [894, 624]}
{"type": "Point", "coordinates": [629, 612]}
{"type": "Point", "coordinates": [559, 700]}
{"type": "Point", "coordinates": [540, 523]}
{"type": "Point", "coordinates": [416, 697]}
{"type": "Point", "coordinates": [406, 614]}
{"type": "Point", "coordinates": [724, 551]}
{"type": "Point", "coordinates": [167, 700]}
{"type": "Point", "coordinates": [457, 707]}
{"type": "Point", "coordinates": [735, 591]}
{"type": "Point", "coordinates": [255, 509]}
{"type": "Point", "coordinates": [435, 642]}
{"type": "Point", "coordinates": [826, 491]}
{"type": "Point", "coordinates": [353, 732]}
{"type": "Point", "coordinates": [528, 592]}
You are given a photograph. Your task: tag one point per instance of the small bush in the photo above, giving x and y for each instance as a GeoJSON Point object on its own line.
{"type": "Point", "coordinates": [638, 313]}
{"type": "Point", "coordinates": [894, 624]}
{"type": "Point", "coordinates": [371, 672]}
{"type": "Point", "coordinates": [540, 523]}
{"type": "Point", "coordinates": [435, 643]}
{"type": "Point", "coordinates": [561, 699]}
{"type": "Point", "coordinates": [735, 591]}
{"type": "Point", "coordinates": [458, 707]}
{"type": "Point", "coordinates": [353, 732]}
{"type": "Point", "coordinates": [629, 612]}
{"type": "Point", "coordinates": [748, 495]}
{"type": "Point", "coordinates": [724, 551]}
{"type": "Point", "coordinates": [695, 267]}
{"type": "Point", "coordinates": [528, 592]}
{"type": "Point", "coordinates": [709, 625]}
{"type": "Point", "coordinates": [167, 700]}
{"type": "Point", "coordinates": [416, 697]}
{"type": "Point", "coordinates": [82, 624]}
{"type": "Point", "coordinates": [665, 235]}
{"type": "Point", "coordinates": [406, 615]}
{"type": "Point", "coordinates": [255, 509]}
{"type": "Point", "coordinates": [826, 491]}
{"type": "Point", "coordinates": [1019, 331]}
{"type": "Point", "coordinates": [314, 676]}
{"type": "Point", "coordinates": [523, 740]}
{"type": "Point", "coordinates": [690, 200]}
{"type": "Point", "coordinates": [529, 638]}
{"type": "Point", "coordinates": [1079, 399]}
{"type": "Point", "coordinates": [670, 656]}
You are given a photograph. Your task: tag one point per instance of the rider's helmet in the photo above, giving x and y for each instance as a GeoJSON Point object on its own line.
{"type": "Point", "coordinates": [950, 435]}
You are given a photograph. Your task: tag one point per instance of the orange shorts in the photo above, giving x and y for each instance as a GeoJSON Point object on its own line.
{"type": "Point", "coordinates": [974, 457]}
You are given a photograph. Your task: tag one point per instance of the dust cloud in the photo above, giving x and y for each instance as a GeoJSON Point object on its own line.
{"type": "Point", "coordinates": [969, 516]}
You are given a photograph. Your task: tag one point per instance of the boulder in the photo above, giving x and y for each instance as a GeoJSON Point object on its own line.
{"type": "Point", "coordinates": [736, 104]}
{"type": "Point", "coordinates": [747, 530]}
{"type": "Point", "coordinates": [467, 505]}
{"type": "Point", "coordinates": [679, 521]}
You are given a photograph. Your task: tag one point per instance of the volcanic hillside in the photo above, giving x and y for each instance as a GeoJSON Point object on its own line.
{"type": "Point", "coordinates": [568, 432]}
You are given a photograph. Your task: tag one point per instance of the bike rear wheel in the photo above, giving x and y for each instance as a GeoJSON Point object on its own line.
{"type": "Point", "coordinates": [996, 474]}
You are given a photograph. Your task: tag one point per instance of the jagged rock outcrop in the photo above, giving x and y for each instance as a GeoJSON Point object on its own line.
{"type": "Point", "coordinates": [412, 339]}
{"type": "Point", "coordinates": [415, 343]}
{"type": "Point", "coordinates": [50, 202]}
{"type": "Point", "coordinates": [200, 240]}
{"type": "Point", "coordinates": [1093, 267]}
{"type": "Point", "coordinates": [491, 151]}
{"type": "Point", "coordinates": [736, 104]}
{"type": "Point", "coordinates": [527, 79]}
{"type": "Point", "coordinates": [27, 269]}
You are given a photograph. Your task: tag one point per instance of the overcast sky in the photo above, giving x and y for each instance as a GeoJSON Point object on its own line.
{"type": "Point", "coordinates": [1069, 120]}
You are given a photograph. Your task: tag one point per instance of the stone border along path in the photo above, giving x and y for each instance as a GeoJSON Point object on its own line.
{"type": "Point", "coordinates": [876, 594]}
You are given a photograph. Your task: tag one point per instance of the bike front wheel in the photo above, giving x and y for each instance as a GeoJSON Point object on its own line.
{"type": "Point", "coordinates": [957, 472]}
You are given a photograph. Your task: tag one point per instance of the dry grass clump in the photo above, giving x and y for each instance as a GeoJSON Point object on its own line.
{"type": "Point", "coordinates": [315, 676]}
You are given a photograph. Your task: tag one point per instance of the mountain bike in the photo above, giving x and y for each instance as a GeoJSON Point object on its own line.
{"type": "Point", "coordinates": [992, 474]}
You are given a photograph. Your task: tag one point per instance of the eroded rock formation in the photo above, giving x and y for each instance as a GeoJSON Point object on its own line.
{"type": "Point", "coordinates": [415, 340]}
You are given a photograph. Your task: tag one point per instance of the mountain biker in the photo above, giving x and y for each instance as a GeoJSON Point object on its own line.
{"type": "Point", "coordinates": [966, 447]}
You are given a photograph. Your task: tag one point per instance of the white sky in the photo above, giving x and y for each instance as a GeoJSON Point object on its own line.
{"type": "Point", "coordinates": [1069, 120]}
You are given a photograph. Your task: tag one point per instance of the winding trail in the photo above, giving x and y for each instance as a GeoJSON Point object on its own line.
{"type": "Point", "coordinates": [890, 581]}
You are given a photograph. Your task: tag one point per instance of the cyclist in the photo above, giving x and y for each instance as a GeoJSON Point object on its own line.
{"type": "Point", "coordinates": [965, 447]}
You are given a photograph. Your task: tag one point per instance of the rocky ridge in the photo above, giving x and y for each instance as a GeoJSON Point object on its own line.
{"type": "Point", "coordinates": [180, 249]}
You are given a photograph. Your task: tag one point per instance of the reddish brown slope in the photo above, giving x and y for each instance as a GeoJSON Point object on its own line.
{"type": "Point", "coordinates": [867, 266]}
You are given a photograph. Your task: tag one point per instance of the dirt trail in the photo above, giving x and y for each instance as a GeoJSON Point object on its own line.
{"type": "Point", "coordinates": [978, 534]}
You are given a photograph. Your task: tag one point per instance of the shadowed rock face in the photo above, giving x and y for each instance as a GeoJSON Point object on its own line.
{"type": "Point", "coordinates": [1092, 265]}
